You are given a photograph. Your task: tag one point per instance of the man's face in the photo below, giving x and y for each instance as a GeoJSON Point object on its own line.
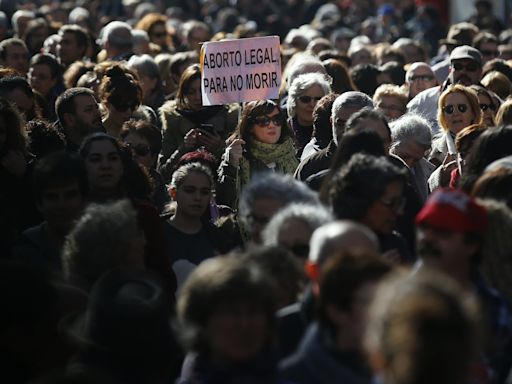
{"type": "Point", "coordinates": [410, 152]}
{"type": "Point", "coordinates": [262, 210]}
{"type": "Point", "coordinates": [17, 57]}
{"type": "Point", "coordinates": [444, 250]}
{"type": "Point", "coordinates": [378, 127]}
{"type": "Point", "coordinates": [61, 204]}
{"type": "Point", "coordinates": [68, 49]}
{"type": "Point", "coordinates": [87, 117]}
{"type": "Point", "coordinates": [465, 72]}
{"type": "Point", "coordinates": [419, 79]}
{"type": "Point", "coordinates": [340, 121]}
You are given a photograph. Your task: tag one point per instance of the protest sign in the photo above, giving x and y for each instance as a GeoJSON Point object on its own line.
{"type": "Point", "coordinates": [240, 70]}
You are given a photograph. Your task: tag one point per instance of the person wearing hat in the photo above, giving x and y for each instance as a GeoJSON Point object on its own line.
{"type": "Point", "coordinates": [450, 234]}
{"type": "Point", "coordinates": [465, 68]}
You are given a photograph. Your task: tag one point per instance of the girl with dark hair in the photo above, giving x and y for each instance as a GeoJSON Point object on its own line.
{"type": "Point", "coordinates": [262, 142]}
{"type": "Point", "coordinates": [113, 174]}
{"type": "Point", "coordinates": [16, 209]}
{"type": "Point", "coordinates": [120, 94]}
{"type": "Point", "coordinates": [187, 125]}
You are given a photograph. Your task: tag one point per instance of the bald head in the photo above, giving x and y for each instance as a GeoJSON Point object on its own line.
{"type": "Point", "coordinates": [344, 235]}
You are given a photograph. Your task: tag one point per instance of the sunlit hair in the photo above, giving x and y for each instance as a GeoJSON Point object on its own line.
{"type": "Point", "coordinates": [191, 73]}
{"type": "Point", "coordinates": [471, 97]}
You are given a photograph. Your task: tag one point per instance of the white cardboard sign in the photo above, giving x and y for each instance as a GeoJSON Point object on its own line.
{"type": "Point", "coordinates": [236, 71]}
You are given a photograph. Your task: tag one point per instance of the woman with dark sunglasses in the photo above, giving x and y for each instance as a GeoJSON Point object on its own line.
{"type": "Point", "coordinates": [145, 142]}
{"type": "Point", "coordinates": [261, 142]}
{"type": "Point", "coordinates": [487, 104]}
{"type": "Point", "coordinates": [121, 95]}
{"type": "Point", "coordinates": [304, 93]}
{"type": "Point", "coordinates": [458, 109]}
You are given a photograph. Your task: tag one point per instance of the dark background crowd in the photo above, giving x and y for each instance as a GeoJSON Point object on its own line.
{"type": "Point", "coordinates": [358, 229]}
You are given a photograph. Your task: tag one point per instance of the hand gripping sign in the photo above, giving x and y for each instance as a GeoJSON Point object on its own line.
{"type": "Point", "coordinates": [236, 71]}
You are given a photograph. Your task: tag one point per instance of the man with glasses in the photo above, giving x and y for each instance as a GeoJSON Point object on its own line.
{"type": "Point", "coordinates": [465, 69]}
{"type": "Point", "coordinates": [343, 108]}
{"type": "Point", "coordinates": [419, 77]}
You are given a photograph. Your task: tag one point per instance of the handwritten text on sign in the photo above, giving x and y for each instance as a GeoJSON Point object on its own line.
{"type": "Point", "coordinates": [241, 70]}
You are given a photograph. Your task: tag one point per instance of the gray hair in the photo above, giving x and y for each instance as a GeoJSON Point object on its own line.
{"type": "Point", "coordinates": [139, 36]}
{"type": "Point", "coordinates": [411, 127]}
{"type": "Point", "coordinates": [351, 99]}
{"type": "Point", "coordinates": [281, 187]}
{"type": "Point", "coordinates": [100, 240]}
{"type": "Point", "coordinates": [413, 67]}
{"type": "Point", "coordinates": [301, 84]}
{"type": "Point", "coordinates": [313, 215]}
{"type": "Point", "coordinates": [20, 13]}
{"type": "Point", "coordinates": [144, 65]}
{"type": "Point", "coordinates": [302, 63]}
{"type": "Point", "coordinates": [113, 33]}
{"type": "Point", "coordinates": [339, 235]}
{"type": "Point", "coordinates": [78, 14]}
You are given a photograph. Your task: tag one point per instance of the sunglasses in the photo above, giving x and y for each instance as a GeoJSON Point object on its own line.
{"type": "Point", "coordinates": [396, 204]}
{"type": "Point", "coordinates": [264, 121]}
{"type": "Point", "coordinates": [485, 107]}
{"type": "Point", "coordinates": [139, 149]}
{"type": "Point", "coordinates": [449, 109]}
{"type": "Point", "coordinates": [470, 67]}
{"type": "Point", "coordinates": [307, 99]}
{"type": "Point", "coordinates": [422, 78]}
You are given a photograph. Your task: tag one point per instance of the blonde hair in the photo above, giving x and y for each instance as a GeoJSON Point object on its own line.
{"type": "Point", "coordinates": [472, 98]}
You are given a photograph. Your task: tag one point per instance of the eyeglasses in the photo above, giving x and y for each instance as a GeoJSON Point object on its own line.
{"type": "Point", "coordinates": [394, 108]}
{"type": "Point", "coordinates": [307, 99]}
{"type": "Point", "coordinates": [470, 67]}
{"type": "Point", "coordinates": [125, 107]}
{"type": "Point", "coordinates": [139, 149]}
{"type": "Point", "coordinates": [485, 107]}
{"type": "Point", "coordinates": [421, 78]}
{"type": "Point", "coordinates": [264, 121]}
{"type": "Point", "coordinates": [159, 34]}
{"type": "Point", "coordinates": [395, 204]}
{"type": "Point", "coordinates": [449, 109]}
{"type": "Point", "coordinates": [490, 53]}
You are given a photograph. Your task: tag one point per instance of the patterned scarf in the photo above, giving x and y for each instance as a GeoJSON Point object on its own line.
{"type": "Point", "coordinates": [264, 156]}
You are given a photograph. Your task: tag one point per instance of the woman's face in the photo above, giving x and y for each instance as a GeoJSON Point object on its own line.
{"type": "Point", "coordinates": [104, 166]}
{"type": "Point", "coordinates": [267, 128]}
{"type": "Point", "coordinates": [457, 112]}
{"type": "Point", "coordinates": [237, 331]}
{"type": "Point", "coordinates": [486, 105]}
{"type": "Point", "coordinates": [193, 95]}
{"type": "Point", "coordinates": [383, 212]}
{"type": "Point", "coordinates": [40, 78]}
{"type": "Point", "coordinates": [120, 113]}
{"type": "Point", "coordinates": [306, 102]}
{"type": "Point", "coordinates": [193, 195]}
{"type": "Point", "coordinates": [158, 34]}
{"type": "Point", "coordinates": [141, 150]}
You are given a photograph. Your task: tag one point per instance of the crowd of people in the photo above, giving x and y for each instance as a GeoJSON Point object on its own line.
{"type": "Point", "coordinates": [355, 230]}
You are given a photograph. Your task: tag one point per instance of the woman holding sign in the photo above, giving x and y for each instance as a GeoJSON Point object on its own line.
{"type": "Point", "coordinates": [187, 125]}
{"type": "Point", "coordinates": [262, 142]}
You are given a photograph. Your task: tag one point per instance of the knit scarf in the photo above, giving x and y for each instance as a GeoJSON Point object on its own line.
{"type": "Point", "coordinates": [263, 155]}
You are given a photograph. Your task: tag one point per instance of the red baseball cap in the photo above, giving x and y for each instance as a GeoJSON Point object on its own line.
{"type": "Point", "coordinates": [453, 210]}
